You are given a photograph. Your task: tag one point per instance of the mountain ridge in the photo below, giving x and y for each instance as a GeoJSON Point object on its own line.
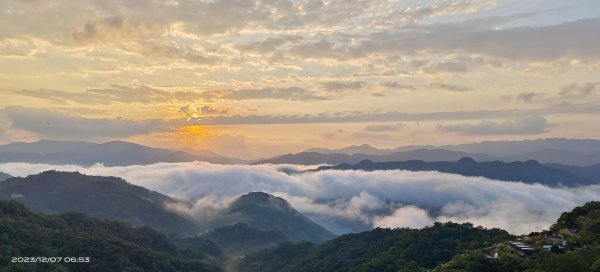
{"type": "Point", "coordinates": [102, 197]}
{"type": "Point", "coordinates": [528, 172]}
{"type": "Point", "coordinates": [113, 153]}
{"type": "Point", "coordinates": [269, 213]}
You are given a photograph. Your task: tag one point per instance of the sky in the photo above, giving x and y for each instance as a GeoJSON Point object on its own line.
{"type": "Point", "coordinates": [257, 78]}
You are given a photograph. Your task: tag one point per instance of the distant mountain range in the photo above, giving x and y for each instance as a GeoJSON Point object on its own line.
{"type": "Point", "coordinates": [101, 197]}
{"type": "Point", "coordinates": [578, 152]}
{"type": "Point", "coordinates": [560, 151]}
{"type": "Point", "coordinates": [491, 148]}
{"type": "Point", "coordinates": [313, 158]}
{"type": "Point", "coordinates": [115, 153]}
{"type": "Point", "coordinates": [527, 172]}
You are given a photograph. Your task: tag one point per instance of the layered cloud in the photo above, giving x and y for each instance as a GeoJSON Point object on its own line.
{"type": "Point", "coordinates": [53, 125]}
{"type": "Point", "coordinates": [525, 125]}
{"type": "Point", "coordinates": [257, 62]}
{"type": "Point", "coordinates": [347, 201]}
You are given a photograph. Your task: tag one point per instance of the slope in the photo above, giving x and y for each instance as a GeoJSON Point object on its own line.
{"type": "Point", "coordinates": [102, 197]}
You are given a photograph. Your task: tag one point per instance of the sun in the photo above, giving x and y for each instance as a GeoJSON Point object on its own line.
{"type": "Point", "coordinates": [193, 136]}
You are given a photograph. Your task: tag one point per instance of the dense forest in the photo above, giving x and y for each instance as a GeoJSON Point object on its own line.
{"type": "Point", "coordinates": [377, 250]}
{"type": "Point", "coordinates": [578, 231]}
{"type": "Point", "coordinates": [110, 246]}
{"type": "Point", "coordinates": [572, 245]}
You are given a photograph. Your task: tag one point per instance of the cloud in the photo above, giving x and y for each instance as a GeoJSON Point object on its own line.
{"type": "Point", "coordinates": [575, 90]}
{"type": "Point", "coordinates": [56, 125]}
{"type": "Point", "coordinates": [394, 116]}
{"type": "Point", "coordinates": [528, 97]}
{"type": "Point", "coordinates": [450, 87]}
{"type": "Point", "coordinates": [405, 217]}
{"type": "Point", "coordinates": [112, 30]}
{"type": "Point", "coordinates": [398, 85]}
{"type": "Point", "coordinates": [278, 93]}
{"type": "Point", "coordinates": [380, 128]}
{"type": "Point", "coordinates": [482, 36]}
{"type": "Point", "coordinates": [413, 14]}
{"type": "Point", "coordinates": [201, 111]}
{"type": "Point", "coordinates": [445, 67]}
{"type": "Point", "coordinates": [343, 85]}
{"type": "Point", "coordinates": [349, 201]}
{"type": "Point", "coordinates": [525, 125]}
{"type": "Point", "coordinates": [114, 94]}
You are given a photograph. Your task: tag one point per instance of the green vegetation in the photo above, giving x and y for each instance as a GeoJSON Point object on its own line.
{"type": "Point", "coordinates": [100, 197]}
{"type": "Point", "coordinates": [110, 246]}
{"type": "Point", "coordinates": [377, 250]}
{"type": "Point", "coordinates": [272, 214]}
{"type": "Point", "coordinates": [239, 239]}
{"type": "Point", "coordinates": [580, 229]}
{"type": "Point", "coordinates": [574, 241]}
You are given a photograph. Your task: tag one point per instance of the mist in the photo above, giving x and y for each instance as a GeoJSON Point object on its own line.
{"type": "Point", "coordinates": [351, 201]}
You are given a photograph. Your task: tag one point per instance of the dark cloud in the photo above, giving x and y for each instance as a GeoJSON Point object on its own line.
{"type": "Point", "coordinates": [575, 90]}
{"type": "Point", "coordinates": [450, 87]}
{"type": "Point", "coordinates": [398, 85]}
{"type": "Point", "coordinates": [380, 128]}
{"type": "Point", "coordinates": [343, 85]}
{"type": "Point", "coordinates": [529, 97]}
{"type": "Point", "coordinates": [55, 125]}
{"type": "Point", "coordinates": [525, 125]}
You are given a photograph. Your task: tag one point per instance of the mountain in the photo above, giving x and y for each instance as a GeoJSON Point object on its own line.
{"type": "Point", "coordinates": [527, 172]}
{"type": "Point", "coordinates": [429, 155]}
{"type": "Point", "coordinates": [240, 239]}
{"type": "Point", "coordinates": [516, 148]}
{"type": "Point", "coordinates": [591, 172]}
{"type": "Point", "coordinates": [559, 156]}
{"type": "Point", "coordinates": [102, 197]}
{"type": "Point", "coordinates": [580, 152]}
{"type": "Point", "coordinates": [351, 150]}
{"type": "Point", "coordinates": [269, 213]}
{"type": "Point", "coordinates": [376, 250]}
{"type": "Point", "coordinates": [116, 153]}
{"type": "Point", "coordinates": [4, 176]}
{"type": "Point", "coordinates": [313, 158]}
{"type": "Point", "coordinates": [310, 158]}
{"type": "Point", "coordinates": [572, 245]}
{"type": "Point", "coordinates": [100, 245]}
{"type": "Point", "coordinates": [213, 157]}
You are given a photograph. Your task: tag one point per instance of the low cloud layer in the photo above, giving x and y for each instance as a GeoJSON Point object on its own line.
{"type": "Point", "coordinates": [349, 201]}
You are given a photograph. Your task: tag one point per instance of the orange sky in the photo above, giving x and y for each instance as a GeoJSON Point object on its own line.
{"type": "Point", "coordinates": [259, 78]}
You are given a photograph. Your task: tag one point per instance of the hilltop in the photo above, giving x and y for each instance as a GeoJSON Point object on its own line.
{"type": "Point", "coordinates": [102, 197]}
